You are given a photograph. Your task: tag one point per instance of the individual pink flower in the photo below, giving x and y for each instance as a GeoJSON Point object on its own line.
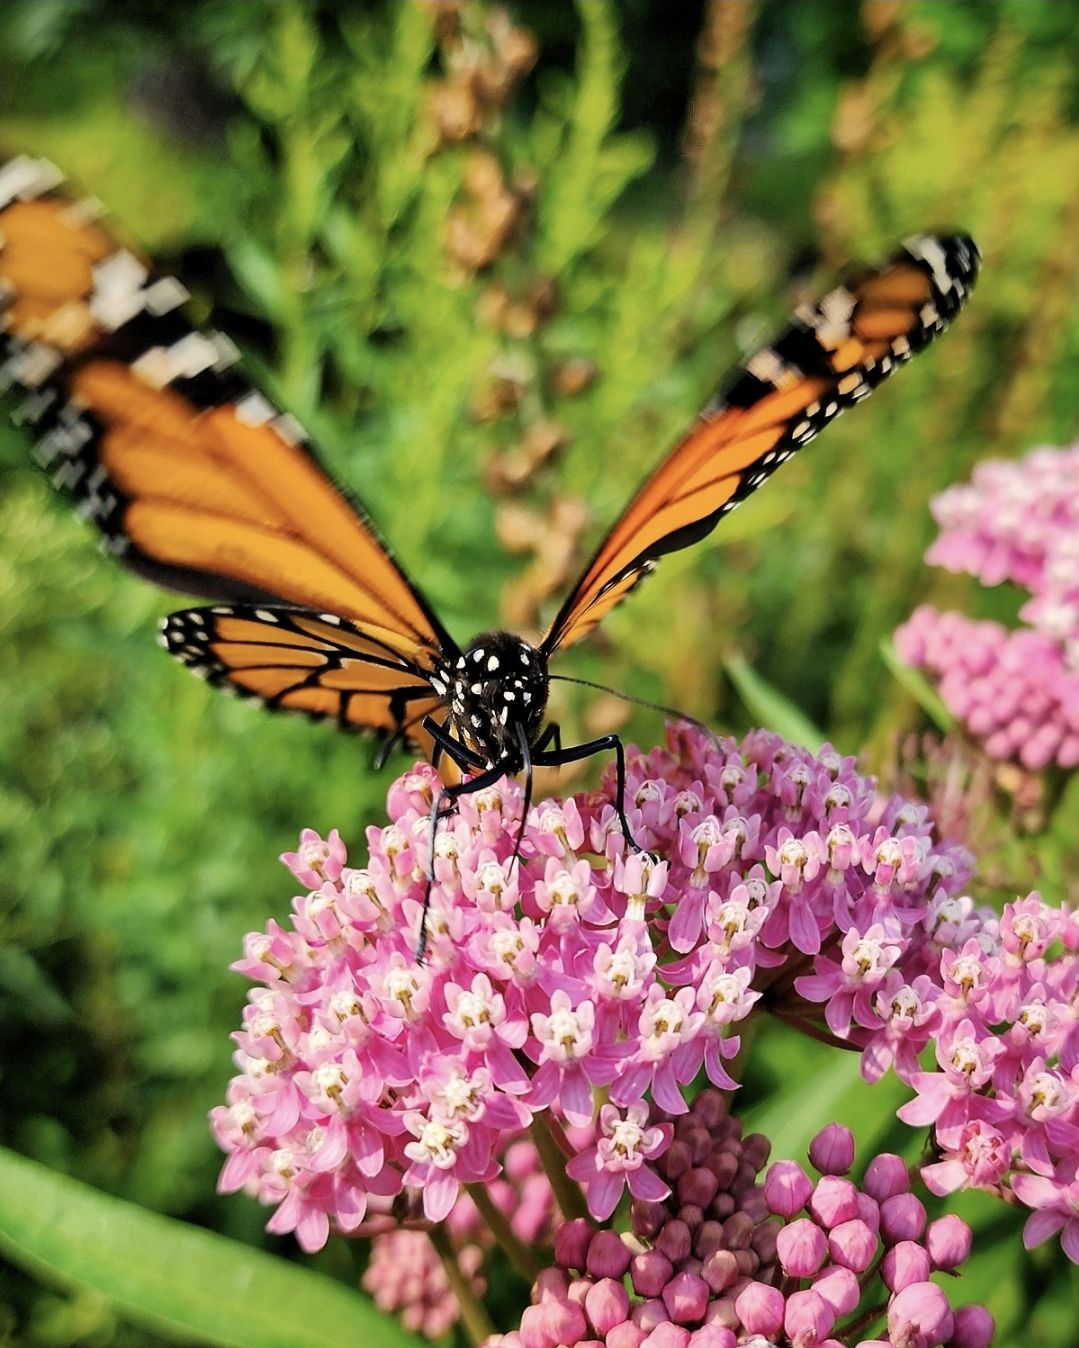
{"type": "Point", "coordinates": [1056, 1209]}
{"type": "Point", "coordinates": [623, 1146]}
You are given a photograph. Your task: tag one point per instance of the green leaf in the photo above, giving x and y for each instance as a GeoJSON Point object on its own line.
{"type": "Point", "coordinates": [918, 686]}
{"type": "Point", "coordinates": [177, 1280]}
{"type": "Point", "coordinates": [770, 707]}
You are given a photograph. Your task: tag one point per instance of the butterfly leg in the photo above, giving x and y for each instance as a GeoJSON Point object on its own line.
{"type": "Point", "coordinates": [526, 804]}
{"type": "Point", "coordinates": [441, 808]}
{"type": "Point", "coordinates": [551, 735]}
{"type": "Point", "coordinates": [556, 758]}
{"type": "Point", "coordinates": [461, 754]}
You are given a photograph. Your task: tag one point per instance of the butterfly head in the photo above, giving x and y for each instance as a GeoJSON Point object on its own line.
{"type": "Point", "coordinates": [499, 684]}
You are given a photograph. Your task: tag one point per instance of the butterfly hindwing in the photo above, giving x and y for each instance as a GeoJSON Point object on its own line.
{"type": "Point", "coordinates": [192, 477]}
{"type": "Point", "coordinates": [318, 664]}
{"type": "Point", "coordinates": [832, 355]}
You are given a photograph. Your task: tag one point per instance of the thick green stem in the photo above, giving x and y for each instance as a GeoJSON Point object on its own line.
{"type": "Point", "coordinates": [547, 1136]}
{"type": "Point", "coordinates": [474, 1318]}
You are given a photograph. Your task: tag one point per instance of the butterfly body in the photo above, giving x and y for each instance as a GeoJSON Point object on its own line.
{"type": "Point", "coordinates": [496, 692]}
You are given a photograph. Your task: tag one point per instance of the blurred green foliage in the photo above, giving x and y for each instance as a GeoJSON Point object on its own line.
{"type": "Point", "coordinates": [677, 180]}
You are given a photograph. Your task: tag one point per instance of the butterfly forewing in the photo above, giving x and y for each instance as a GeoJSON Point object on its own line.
{"type": "Point", "coordinates": [831, 356]}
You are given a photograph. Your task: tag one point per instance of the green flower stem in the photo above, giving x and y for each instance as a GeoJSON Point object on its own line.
{"type": "Point", "coordinates": [553, 1148]}
{"type": "Point", "coordinates": [474, 1318]}
{"type": "Point", "coordinates": [520, 1256]}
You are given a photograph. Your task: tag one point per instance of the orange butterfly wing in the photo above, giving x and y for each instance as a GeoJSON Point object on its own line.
{"type": "Point", "coordinates": [192, 477]}
{"type": "Point", "coordinates": [831, 356]}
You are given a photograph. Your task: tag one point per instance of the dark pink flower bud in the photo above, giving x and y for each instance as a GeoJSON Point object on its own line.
{"type": "Point", "coordinates": [720, 1270]}
{"type": "Point", "coordinates": [886, 1175]}
{"type": "Point", "coordinates": [649, 1314]}
{"type": "Point", "coordinates": [571, 1243]}
{"type": "Point", "coordinates": [738, 1231]}
{"type": "Point", "coordinates": [869, 1211]}
{"type": "Point", "coordinates": [675, 1241]}
{"type": "Point", "coordinates": [697, 1186]}
{"type": "Point", "coordinates": [948, 1241]}
{"type": "Point", "coordinates": [564, 1321]}
{"type": "Point", "coordinates": [678, 1160]}
{"type": "Point", "coordinates": [756, 1148]}
{"type": "Point", "coordinates": [832, 1150]}
{"type": "Point", "coordinates": [760, 1309]}
{"type": "Point", "coordinates": [839, 1287]}
{"type": "Point", "coordinates": [710, 1107]}
{"type": "Point", "coordinates": [708, 1238]}
{"type": "Point", "coordinates": [648, 1218]}
{"type": "Point", "coordinates": [667, 1336]}
{"type": "Point", "coordinates": [550, 1282]}
{"type": "Point", "coordinates": [801, 1246]}
{"type": "Point", "coordinates": [691, 1215]}
{"type": "Point", "coordinates": [919, 1316]}
{"type": "Point", "coordinates": [852, 1245]}
{"type": "Point", "coordinates": [713, 1336]}
{"type": "Point", "coordinates": [763, 1243]}
{"type": "Point", "coordinates": [834, 1200]}
{"type": "Point", "coordinates": [787, 1188]}
{"type": "Point", "coordinates": [808, 1317]}
{"type": "Point", "coordinates": [608, 1255]}
{"type": "Point", "coordinates": [724, 1165]}
{"type": "Point", "coordinates": [650, 1272]}
{"type": "Point", "coordinates": [579, 1289]}
{"type": "Point", "coordinates": [626, 1335]}
{"type": "Point", "coordinates": [902, 1217]}
{"type": "Point", "coordinates": [686, 1296]}
{"type": "Point", "coordinates": [974, 1328]}
{"type": "Point", "coordinates": [905, 1264]}
{"type": "Point", "coordinates": [607, 1304]}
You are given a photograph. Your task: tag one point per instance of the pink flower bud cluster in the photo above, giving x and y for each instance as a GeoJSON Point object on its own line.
{"type": "Point", "coordinates": [712, 1267]}
{"type": "Point", "coordinates": [1016, 692]}
{"type": "Point", "coordinates": [1011, 690]}
{"type": "Point", "coordinates": [363, 1073]}
{"type": "Point", "coordinates": [1018, 521]}
{"type": "Point", "coordinates": [405, 1276]}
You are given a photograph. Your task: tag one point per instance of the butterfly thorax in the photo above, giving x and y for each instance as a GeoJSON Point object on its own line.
{"type": "Point", "coordinates": [498, 684]}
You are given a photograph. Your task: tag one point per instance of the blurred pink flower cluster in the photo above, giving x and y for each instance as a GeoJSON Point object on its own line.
{"type": "Point", "coordinates": [406, 1277]}
{"type": "Point", "coordinates": [1016, 691]}
{"type": "Point", "coordinates": [773, 873]}
{"type": "Point", "coordinates": [728, 1260]}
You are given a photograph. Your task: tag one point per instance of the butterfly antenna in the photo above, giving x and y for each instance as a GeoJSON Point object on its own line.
{"type": "Point", "coordinates": [641, 702]}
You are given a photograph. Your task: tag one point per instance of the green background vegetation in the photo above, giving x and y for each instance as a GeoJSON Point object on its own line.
{"type": "Point", "coordinates": [683, 175]}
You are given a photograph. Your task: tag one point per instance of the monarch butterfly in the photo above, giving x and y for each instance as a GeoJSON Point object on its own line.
{"type": "Point", "coordinates": [199, 484]}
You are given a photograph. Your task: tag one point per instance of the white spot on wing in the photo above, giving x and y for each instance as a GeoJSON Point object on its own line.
{"type": "Point", "coordinates": [929, 249]}
{"type": "Point", "coordinates": [118, 295]}
{"type": "Point", "coordinates": [24, 177]}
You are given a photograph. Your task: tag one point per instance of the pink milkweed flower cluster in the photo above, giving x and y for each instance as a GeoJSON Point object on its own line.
{"type": "Point", "coordinates": [1016, 691]}
{"type": "Point", "coordinates": [726, 1260]}
{"type": "Point", "coordinates": [364, 1074]}
{"type": "Point", "coordinates": [1003, 1097]}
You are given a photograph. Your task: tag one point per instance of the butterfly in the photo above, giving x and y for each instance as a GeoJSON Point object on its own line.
{"type": "Point", "coordinates": [198, 483]}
